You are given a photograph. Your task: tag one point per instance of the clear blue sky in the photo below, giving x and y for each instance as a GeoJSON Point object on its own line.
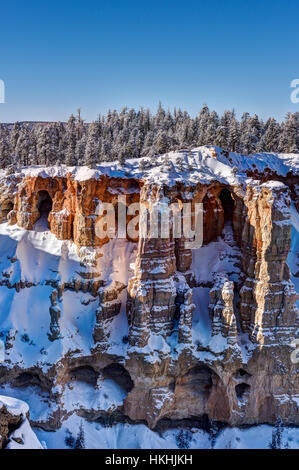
{"type": "Point", "coordinates": [58, 56]}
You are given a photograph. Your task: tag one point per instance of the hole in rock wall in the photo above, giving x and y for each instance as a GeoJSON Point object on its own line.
{"type": "Point", "coordinates": [44, 204]}
{"type": "Point", "coordinates": [242, 390]}
{"type": "Point", "coordinates": [119, 375]}
{"type": "Point", "coordinates": [84, 374]}
{"type": "Point", "coordinates": [199, 378]}
{"type": "Point", "coordinates": [242, 373]}
{"type": "Point", "coordinates": [27, 378]}
{"type": "Point", "coordinates": [227, 204]}
{"type": "Point", "coordinates": [172, 386]}
{"type": "Point", "coordinates": [6, 207]}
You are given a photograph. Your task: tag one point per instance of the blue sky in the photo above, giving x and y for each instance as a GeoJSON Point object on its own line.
{"type": "Point", "coordinates": [58, 56]}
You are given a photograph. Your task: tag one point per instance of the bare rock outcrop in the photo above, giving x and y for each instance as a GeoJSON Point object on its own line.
{"type": "Point", "coordinates": [222, 309]}
{"type": "Point", "coordinates": [267, 296]}
{"type": "Point", "coordinates": [110, 303]}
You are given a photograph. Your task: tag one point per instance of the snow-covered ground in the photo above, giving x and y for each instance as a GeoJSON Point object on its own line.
{"type": "Point", "coordinates": [36, 399]}
{"type": "Point", "coordinates": [139, 436]}
{"type": "Point", "coordinates": [94, 435]}
{"type": "Point", "coordinates": [221, 256]}
{"type": "Point", "coordinates": [203, 164]}
{"type": "Point", "coordinates": [107, 396]}
{"type": "Point", "coordinates": [37, 257]}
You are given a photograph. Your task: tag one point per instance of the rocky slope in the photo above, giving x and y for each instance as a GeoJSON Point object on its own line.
{"type": "Point", "coordinates": [15, 430]}
{"type": "Point", "coordinates": [148, 330]}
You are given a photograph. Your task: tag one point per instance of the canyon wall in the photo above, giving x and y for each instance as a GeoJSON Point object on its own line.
{"type": "Point", "coordinates": [225, 359]}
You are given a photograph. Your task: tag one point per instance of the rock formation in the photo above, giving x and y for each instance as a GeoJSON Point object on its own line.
{"type": "Point", "coordinates": [184, 334]}
{"type": "Point", "coordinates": [15, 431]}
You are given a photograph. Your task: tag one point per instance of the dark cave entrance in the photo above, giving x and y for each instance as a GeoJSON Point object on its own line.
{"type": "Point", "coordinates": [85, 374]}
{"type": "Point", "coordinates": [7, 206]}
{"type": "Point", "coordinates": [242, 390]}
{"type": "Point", "coordinates": [119, 375]}
{"type": "Point", "coordinates": [227, 204]}
{"type": "Point", "coordinates": [199, 378]}
{"type": "Point", "coordinates": [44, 205]}
{"type": "Point", "coordinates": [26, 379]}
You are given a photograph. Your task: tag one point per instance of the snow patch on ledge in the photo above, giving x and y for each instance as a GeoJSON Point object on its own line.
{"type": "Point", "coordinates": [14, 407]}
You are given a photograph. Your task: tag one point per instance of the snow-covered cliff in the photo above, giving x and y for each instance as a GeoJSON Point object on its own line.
{"type": "Point", "coordinates": [132, 330]}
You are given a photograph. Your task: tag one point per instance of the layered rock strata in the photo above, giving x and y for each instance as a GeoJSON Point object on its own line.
{"type": "Point", "coordinates": [199, 334]}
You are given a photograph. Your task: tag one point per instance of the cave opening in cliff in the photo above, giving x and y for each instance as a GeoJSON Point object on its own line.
{"type": "Point", "coordinates": [242, 373]}
{"type": "Point", "coordinates": [85, 374]}
{"type": "Point", "coordinates": [242, 390]}
{"type": "Point", "coordinates": [118, 374]}
{"type": "Point", "coordinates": [26, 379]}
{"type": "Point", "coordinates": [6, 207]}
{"type": "Point", "coordinates": [200, 379]}
{"type": "Point", "coordinates": [227, 204]}
{"type": "Point", "coordinates": [44, 205]}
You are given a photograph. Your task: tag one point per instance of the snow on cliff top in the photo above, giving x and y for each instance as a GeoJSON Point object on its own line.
{"type": "Point", "coordinates": [14, 407]}
{"type": "Point", "coordinates": [202, 164]}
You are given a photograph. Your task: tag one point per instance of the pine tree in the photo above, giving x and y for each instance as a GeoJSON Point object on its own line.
{"type": "Point", "coordinates": [71, 135]}
{"type": "Point", "coordinates": [80, 150]}
{"type": "Point", "coordinates": [23, 146]}
{"type": "Point", "coordinates": [269, 141]}
{"type": "Point", "coordinates": [183, 439]}
{"type": "Point", "coordinates": [203, 120]}
{"type": "Point", "coordinates": [225, 124]}
{"type": "Point", "coordinates": [69, 439]}
{"type": "Point", "coordinates": [41, 146]}
{"type": "Point", "coordinates": [5, 159]}
{"type": "Point", "coordinates": [122, 158]}
{"type": "Point", "coordinates": [160, 142]}
{"type": "Point", "coordinates": [254, 130]}
{"type": "Point", "coordinates": [92, 146]}
{"type": "Point", "coordinates": [134, 134]}
{"type": "Point", "coordinates": [289, 140]}
{"type": "Point", "coordinates": [276, 442]}
{"type": "Point", "coordinates": [213, 432]}
{"type": "Point", "coordinates": [212, 125]}
{"type": "Point", "coordinates": [14, 136]}
{"type": "Point", "coordinates": [5, 156]}
{"type": "Point", "coordinates": [244, 135]}
{"type": "Point", "coordinates": [234, 136]}
{"type": "Point", "coordinates": [80, 440]}
{"type": "Point", "coordinates": [80, 127]}
{"type": "Point", "coordinates": [220, 139]}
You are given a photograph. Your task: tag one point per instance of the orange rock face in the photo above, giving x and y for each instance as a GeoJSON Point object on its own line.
{"type": "Point", "coordinates": [74, 205]}
{"type": "Point", "coordinates": [73, 214]}
{"type": "Point", "coordinates": [174, 375]}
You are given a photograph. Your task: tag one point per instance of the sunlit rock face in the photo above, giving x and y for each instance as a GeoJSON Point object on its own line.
{"type": "Point", "coordinates": [267, 296]}
{"type": "Point", "coordinates": [72, 205]}
{"type": "Point", "coordinates": [148, 329]}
